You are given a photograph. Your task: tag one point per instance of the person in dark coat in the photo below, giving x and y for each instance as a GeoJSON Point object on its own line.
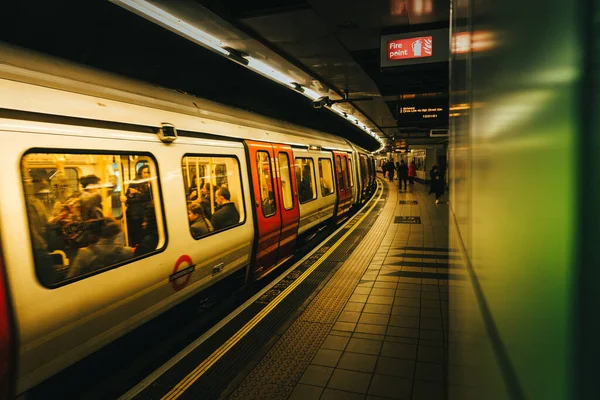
{"type": "Point", "coordinates": [225, 214]}
{"type": "Point", "coordinates": [91, 199]}
{"type": "Point", "coordinates": [199, 224]}
{"type": "Point", "coordinates": [437, 183]}
{"type": "Point", "coordinates": [149, 235]}
{"type": "Point", "coordinates": [391, 169]}
{"type": "Point", "coordinates": [205, 199]}
{"type": "Point", "coordinates": [140, 205]}
{"type": "Point", "coordinates": [402, 174]}
{"type": "Point", "coordinates": [103, 253]}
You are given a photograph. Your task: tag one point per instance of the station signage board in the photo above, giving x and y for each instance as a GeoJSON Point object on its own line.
{"type": "Point", "coordinates": [403, 49]}
{"type": "Point", "coordinates": [415, 48]}
{"type": "Point", "coordinates": [438, 133]}
{"type": "Point", "coordinates": [428, 113]}
{"type": "Point", "coordinates": [400, 145]}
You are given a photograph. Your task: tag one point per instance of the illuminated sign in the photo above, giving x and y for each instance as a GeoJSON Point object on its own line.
{"type": "Point", "coordinates": [438, 132]}
{"type": "Point", "coordinates": [425, 112]}
{"type": "Point", "coordinates": [415, 48]}
{"type": "Point", "coordinates": [400, 145]}
{"type": "Point", "coordinates": [410, 48]}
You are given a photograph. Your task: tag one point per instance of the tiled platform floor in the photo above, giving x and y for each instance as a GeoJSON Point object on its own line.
{"type": "Point", "coordinates": [389, 341]}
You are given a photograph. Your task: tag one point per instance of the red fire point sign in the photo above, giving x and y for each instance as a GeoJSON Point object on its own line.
{"type": "Point", "coordinates": [402, 49]}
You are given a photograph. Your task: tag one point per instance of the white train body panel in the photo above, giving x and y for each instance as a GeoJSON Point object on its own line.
{"type": "Point", "coordinates": [57, 326]}
{"type": "Point", "coordinates": [319, 210]}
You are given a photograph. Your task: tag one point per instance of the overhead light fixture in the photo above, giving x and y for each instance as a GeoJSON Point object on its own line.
{"type": "Point", "coordinates": [298, 87]}
{"type": "Point", "coordinates": [171, 22]}
{"type": "Point", "coordinates": [270, 72]}
{"type": "Point", "coordinates": [311, 94]}
{"type": "Point", "coordinates": [237, 56]}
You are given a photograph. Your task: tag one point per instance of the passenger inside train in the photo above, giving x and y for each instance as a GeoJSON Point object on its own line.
{"type": "Point", "coordinates": [205, 199]}
{"type": "Point", "coordinates": [268, 204]}
{"type": "Point", "coordinates": [226, 214]}
{"type": "Point", "coordinates": [139, 202]}
{"type": "Point", "coordinates": [108, 250]}
{"type": "Point", "coordinates": [150, 238]}
{"type": "Point", "coordinates": [211, 174]}
{"type": "Point", "coordinates": [325, 176]}
{"type": "Point", "coordinates": [193, 191]}
{"type": "Point", "coordinates": [199, 223]}
{"type": "Point", "coordinates": [75, 231]}
{"type": "Point", "coordinates": [305, 177]}
{"type": "Point", "coordinates": [90, 200]}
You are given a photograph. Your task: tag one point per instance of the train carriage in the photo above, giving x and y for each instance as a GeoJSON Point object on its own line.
{"type": "Point", "coordinates": [121, 199]}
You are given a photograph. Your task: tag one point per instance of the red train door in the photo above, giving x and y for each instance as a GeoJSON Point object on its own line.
{"type": "Point", "coordinates": [343, 187]}
{"type": "Point", "coordinates": [289, 210]}
{"type": "Point", "coordinates": [277, 211]}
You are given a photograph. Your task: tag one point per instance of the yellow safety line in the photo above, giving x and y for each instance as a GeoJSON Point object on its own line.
{"type": "Point", "coordinates": [193, 376]}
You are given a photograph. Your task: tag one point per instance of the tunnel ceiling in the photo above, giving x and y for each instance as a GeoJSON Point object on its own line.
{"type": "Point", "coordinates": [339, 42]}
{"type": "Point", "coordinates": [335, 41]}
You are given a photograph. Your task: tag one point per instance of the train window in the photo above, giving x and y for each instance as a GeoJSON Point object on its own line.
{"type": "Point", "coordinates": [325, 176]}
{"type": "Point", "coordinates": [350, 181]}
{"type": "Point", "coordinates": [340, 173]}
{"type": "Point", "coordinates": [344, 164]}
{"type": "Point", "coordinates": [305, 179]}
{"type": "Point", "coordinates": [213, 190]}
{"type": "Point", "coordinates": [286, 181]}
{"type": "Point", "coordinates": [79, 230]}
{"type": "Point", "coordinates": [265, 182]}
{"type": "Point", "coordinates": [363, 171]}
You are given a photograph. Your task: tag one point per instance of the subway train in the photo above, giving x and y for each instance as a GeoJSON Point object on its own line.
{"type": "Point", "coordinates": [121, 199]}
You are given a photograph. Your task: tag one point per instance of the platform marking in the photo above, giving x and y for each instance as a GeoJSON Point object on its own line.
{"type": "Point", "coordinates": [317, 250]}
{"type": "Point", "coordinates": [407, 220]}
{"type": "Point", "coordinates": [193, 376]}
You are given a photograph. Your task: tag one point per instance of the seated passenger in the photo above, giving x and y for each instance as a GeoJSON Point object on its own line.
{"type": "Point", "coordinates": [200, 225]}
{"type": "Point", "coordinates": [103, 253]}
{"type": "Point", "coordinates": [204, 199]}
{"type": "Point", "coordinates": [225, 214]}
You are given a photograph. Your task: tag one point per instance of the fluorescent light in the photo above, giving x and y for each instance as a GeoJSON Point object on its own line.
{"type": "Point", "coordinates": [171, 22]}
{"type": "Point", "coordinates": [271, 72]}
{"type": "Point", "coordinates": [311, 94]}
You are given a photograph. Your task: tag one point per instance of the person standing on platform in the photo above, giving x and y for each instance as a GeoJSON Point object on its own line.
{"type": "Point", "coordinates": [437, 183]}
{"type": "Point", "coordinates": [402, 174]}
{"type": "Point", "coordinates": [411, 172]}
{"type": "Point", "coordinates": [391, 168]}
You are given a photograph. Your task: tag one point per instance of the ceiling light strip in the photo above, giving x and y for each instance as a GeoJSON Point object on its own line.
{"type": "Point", "coordinates": [171, 22]}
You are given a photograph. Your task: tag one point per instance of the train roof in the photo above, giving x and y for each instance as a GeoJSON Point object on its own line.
{"type": "Point", "coordinates": [39, 83]}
